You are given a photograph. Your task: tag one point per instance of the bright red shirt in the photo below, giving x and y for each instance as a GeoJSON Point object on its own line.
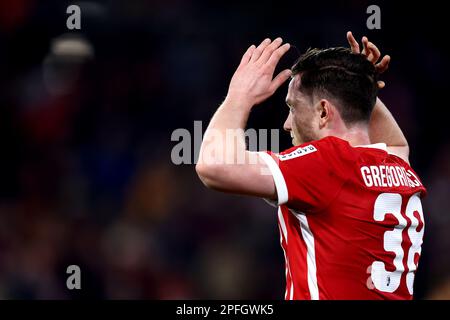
{"type": "Point", "coordinates": [350, 218]}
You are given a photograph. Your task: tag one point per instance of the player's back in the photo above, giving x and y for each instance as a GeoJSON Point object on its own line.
{"type": "Point", "coordinates": [352, 226]}
{"type": "Point", "coordinates": [373, 229]}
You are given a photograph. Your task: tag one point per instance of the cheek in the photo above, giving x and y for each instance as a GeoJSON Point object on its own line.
{"type": "Point", "coordinates": [296, 122]}
{"type": "Point", "coordinates": [302, 120]}
{"type": "Point", "coordinates": [299, 126]}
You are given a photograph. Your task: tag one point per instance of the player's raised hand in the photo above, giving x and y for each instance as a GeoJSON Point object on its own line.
{"type": "Point", "coordinates": [372, 53]}
{"type": "Point", "coordinates": [254, 81]}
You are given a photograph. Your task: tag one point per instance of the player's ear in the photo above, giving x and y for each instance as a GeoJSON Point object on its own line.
{"type": "Point", "coordinates": [325, 112]}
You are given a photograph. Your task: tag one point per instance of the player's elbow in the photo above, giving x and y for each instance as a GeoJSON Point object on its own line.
{"type": "Point", "coordinates": [209, 175]}
{"type": "Point", "coordinates": [406, 150]}
{"type": "Point", "coordinates": [403, 147]}
{"type": "Point", "coordinates": [203, 173]}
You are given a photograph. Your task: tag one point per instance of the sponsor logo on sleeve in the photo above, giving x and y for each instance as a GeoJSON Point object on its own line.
{"type": "Point", "coordinates": [299, 152]}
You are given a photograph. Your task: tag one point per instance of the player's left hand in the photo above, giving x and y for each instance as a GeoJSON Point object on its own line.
{"type": "Point", "coordinates": [372, 54]}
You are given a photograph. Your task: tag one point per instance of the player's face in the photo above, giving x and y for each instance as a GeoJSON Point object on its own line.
{"type": "Point", "coordinates": [301, 119]}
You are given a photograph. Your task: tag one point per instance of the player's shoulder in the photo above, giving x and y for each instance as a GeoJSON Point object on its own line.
{"type": "Point", "coordinates": [326, 143]}
{"type": "Point", "coordinates": [298, 151]}
{"type": "Point", "coordinates": [329, 149]}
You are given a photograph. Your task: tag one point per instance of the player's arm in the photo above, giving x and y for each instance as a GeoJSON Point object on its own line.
{"type": "Point", "coordinates": [224, 163]}
{"type": "Point", "coordinates": [384, 128]}
{"type": "Point", "coordinates": [382, 125]}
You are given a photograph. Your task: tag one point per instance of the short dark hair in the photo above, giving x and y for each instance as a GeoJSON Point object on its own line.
{"type": "Point", "coordinates": [340, 74]}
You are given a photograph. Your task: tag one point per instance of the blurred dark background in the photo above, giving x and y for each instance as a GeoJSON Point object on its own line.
{"type": "Point", "coordinates": [86, 118]}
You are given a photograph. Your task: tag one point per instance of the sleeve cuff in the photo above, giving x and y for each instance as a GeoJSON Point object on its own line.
{"type": "Point", "coordinates": [280, 183]}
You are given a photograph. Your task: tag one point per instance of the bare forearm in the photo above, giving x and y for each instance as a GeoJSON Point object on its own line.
{"type": "Point", "coordinates": [384, 128]}
{"type": "Point", "coordinates": [229, 121]}
{"type": "Point", "coordinates": [252, 83]}
{"type": "Point", "coordinates": [224, 163]}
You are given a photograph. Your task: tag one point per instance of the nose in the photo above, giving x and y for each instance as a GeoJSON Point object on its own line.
{"type": "Point", "coordinates": [287, 124]}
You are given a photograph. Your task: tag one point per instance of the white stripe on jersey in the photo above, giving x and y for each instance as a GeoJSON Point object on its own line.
{"type": "Point", "coordinates": [308, 237]}
{"type": "Point", "coordinates": [284, 234]}
{"type": "Point", "coordinates": [282, 224]}
{"type": "Point", "coordinates": [280, 184]}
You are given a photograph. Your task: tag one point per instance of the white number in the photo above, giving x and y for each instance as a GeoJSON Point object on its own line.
{"type": "Point", "coordinates": [416, 237]}
{"type": "Point", "coordinates": [382, 279]}
{"type": "Point", "coordinates": [391, 203]}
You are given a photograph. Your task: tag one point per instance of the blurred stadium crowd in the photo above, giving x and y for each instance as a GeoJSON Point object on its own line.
{"type": "Point", "coordinates": [86, 119]}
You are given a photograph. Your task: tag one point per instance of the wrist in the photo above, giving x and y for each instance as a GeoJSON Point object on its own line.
{"type": "Point", "coordinates": [239, 101]}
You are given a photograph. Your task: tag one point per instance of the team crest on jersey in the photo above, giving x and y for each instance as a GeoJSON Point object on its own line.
{"type": "Point", "coordinates": [301, 151]}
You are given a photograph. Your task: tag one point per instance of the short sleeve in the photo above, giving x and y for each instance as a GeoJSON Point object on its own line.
{"type": "Point", "coordinates": [308, 177]}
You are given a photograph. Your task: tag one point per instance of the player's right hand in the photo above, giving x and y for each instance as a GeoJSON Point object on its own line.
{"type": "Point", "coordinates": [253, 81]}
{"type": "Point", "coordinates": [372, 54]}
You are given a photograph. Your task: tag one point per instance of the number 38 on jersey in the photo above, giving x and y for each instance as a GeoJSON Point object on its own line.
{"type": "Point", "coordinates": [403, 241]}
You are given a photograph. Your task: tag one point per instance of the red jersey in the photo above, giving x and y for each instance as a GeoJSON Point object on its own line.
{"type": "Point", "coordinates": [350, 219]}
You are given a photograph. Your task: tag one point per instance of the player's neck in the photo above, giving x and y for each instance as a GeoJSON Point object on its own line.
{"type": "Point", "coordinates": [356, 135]}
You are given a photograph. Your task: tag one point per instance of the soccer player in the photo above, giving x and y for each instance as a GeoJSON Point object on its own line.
{"type": "Point", "coordinates": [349, 204]}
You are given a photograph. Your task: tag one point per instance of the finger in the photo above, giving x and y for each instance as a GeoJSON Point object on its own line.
{"type": "Point", "coordinates": [352, 42]}
{"type": "Point", "coordinates": [269, 50]}
{"type": "Point", "coordinates": [276, 56]}
{"type": "Point", "coordinates": [280, 79]}
{"type": "Point", "coordinates": [365, 49]}
{"type": "Point", "coordinates": [259, 50]}
{"type": "Point", "coordinates": [383, 65]}
{"type": "Point", "coordinates": [374, 51]}
{"type": "Point", "coordinates": [381, 84]}
{"type": "Point", "coordinates": [247, 55]}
